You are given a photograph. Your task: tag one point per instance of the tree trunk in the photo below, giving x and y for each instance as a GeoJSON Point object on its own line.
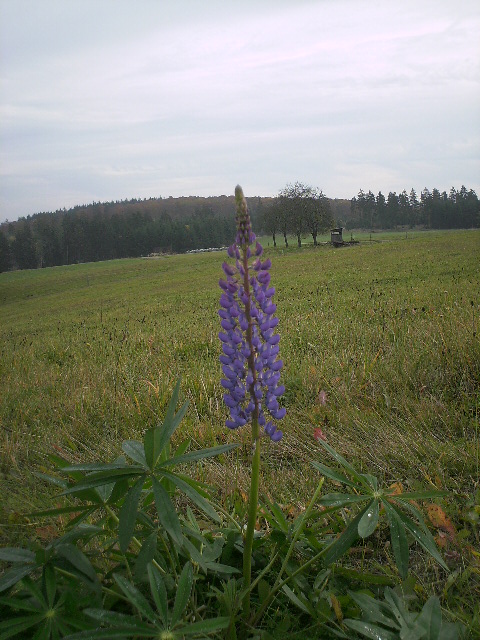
{"type": "Point", "coordinates": [299, 240]}
{"type": "Point", "coordinates": [314, 235]}
{"type": "Point", "coordinates": [285, 237]}
{"type": "Point", "coordinates": [274, 241]}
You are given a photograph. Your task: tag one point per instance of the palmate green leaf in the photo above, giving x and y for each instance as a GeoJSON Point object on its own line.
{"type": "Point", "coordinates": [135, 597]}
{"type": "Point", "coordinates": [157, 438]}
{"type": "Point", "coordinates": [341, 460]}
{"type": "Point", "coordinates": [102, 478]}
{"type": "Point", "coordinates": [421, 535]}
{"type": "Point", "coordinates": [334, 475]}
{"type": "Point", "coordinates": [12, 627]}
{"type": "Point", "coordinates": [146, 555]}
{"type": "Point", "coordinates": [121, 625]}
{"type": "Point", "coordinates": [398, 608]}
{"type": "Point", "coordinates": [184, 589]}
{"type": "Point", "coordinates": [167, 514]}
{"type": "Point", "coordinates": [370, 630]}
{"type": "Point", "coordinates": [206, 627]}
{"type": "Point", "coordinates": [341, 499]}
{"type": "Point", "coordinates": [346, 539]}
{"type": "Point", "coordinates": [374, 610]}
{"type": "Point", "coordinates": [16, 554]}
{"type": "Point", "coordinates": [430, 619]}
{"type": "Point", "coordinates": [170, 425]}
{"type": "Point", "coordinates": [81, 517]}
{"type": "Point", "coordinates": [78, 559]}
{"type": "Point", "coordinates": [419, 495]}
{"type": "Point", "coordinates": [49, 583]}
{"type": "Point", "coordinates": [58, 482]}
{"type": "Point", "coordinates": [151, 446]}
{"type": "Point", "coordinates": [399, 539]}
{"type": "Point", "coordinates": [201, 454]}
{"type": "Point", "coordinates": [135, 450]}
{"type": "Point", "coordinates": [275, 516]}
{"type": "Point", "coordinates": [20, 604]}
{"type": "Point", "coordinates": [114, 633]}
{"type": "Point", "coordinates": [369, 520]}
{"type": "Point", "coordinates": [193, 494]}
{"type": "Point", "coordinates": [128, 514]}
{"type": "Point", "coordinates": [14, 575]}
{"type": "Point", "coordinates": [159, 592]}
{"type": "Point", "coordinates": [301, 603]}
{"type": "Point", "coordinates": [57, 512]}
{"type": "Point", "coordinates": [96, 467]}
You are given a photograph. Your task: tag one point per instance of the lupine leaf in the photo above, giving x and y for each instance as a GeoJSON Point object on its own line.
{"type": "Point", "coordinates": [58, 482]}
{"type": "Point", "coordinates": [97, 479]}
{"type": "Point", "coordinates": [341, 460]}
{"type": "Point", "coordinates": [135, 451]}
{"type": "Point", "coordinates": [78, 560]}
{"type": "Point", "coordinates": [341, 499]}
{"type": "Point", "coordinates": [128, 514]}
{"type": "Point", "coordinates": [14, 575]}
{"type": "Point", "coordinates": [135, 597]}
{"type": "Point", "coordinates": [300, 603]}
{"type": "Point", "coordinates": [10, 628]}
{"type": "Point", "coordinates": [371, 630]}
{"type": "Point", "coordinates": [57, 512]}
{"type": "Point", "coordinates": [430, 618]}
{"type": "Point", "coordinates": [159, 592]}
{"type": "Point", "coordinates": [374, 609]}
{"type": "Point", "coordinates": [145, 555]}
{"type": "Point", "coordinates": [118, 633]}
{"type": "Point", "coordinates": [16, 554]}
{"type": "Point", "coordinates": [20, 604]}
{"type": "Point", "coordinates": [334, 475]}
{"type": "Point", "coordinates": [169, 427]}
{"type": "Point", "coordinates": [167, 513]}
{"type": "Point", "coordinates": [206, 626]}
{"type": "Point", "coordinates": [399, 539]}
{"type": "Point", "coordinates": [369, 520]}
{"type": "Point", "coordinates": [420, 495]}
{"type": "Point", "coordinates": [344, 541]}
{"type": "Point", "coordinates": [151, 446]}
{"type": "Point", "coordinates": [193, 494]}
{"type": "Point", "coordinates": [50, 584]}
{"type": "Point", "coordinates": [96, 467]}
{"type": "Point", "coordinates": [182, 596]}
{"type": "Point", "coordinates": [193, 456]}
{"type": "Point", "coordinates": [422, 536]}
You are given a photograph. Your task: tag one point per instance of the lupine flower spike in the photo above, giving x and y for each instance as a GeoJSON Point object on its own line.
{"type": "Point", "coordinates": [251, 367]}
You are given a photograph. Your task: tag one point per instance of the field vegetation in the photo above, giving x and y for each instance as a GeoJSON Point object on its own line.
{"type": "Point", "coordinates": [381, 347]}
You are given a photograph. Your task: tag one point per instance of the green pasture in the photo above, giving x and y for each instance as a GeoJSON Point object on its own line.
{"type": "Point", "coordinates": [389, 330]}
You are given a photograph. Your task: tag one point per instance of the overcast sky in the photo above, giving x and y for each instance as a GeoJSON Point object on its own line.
{"type": "Point", "coordinates": [113, 99]}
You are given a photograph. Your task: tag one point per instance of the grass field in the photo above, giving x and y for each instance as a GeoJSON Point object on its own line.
{"type": "Point", "coordinates": [388, 329]}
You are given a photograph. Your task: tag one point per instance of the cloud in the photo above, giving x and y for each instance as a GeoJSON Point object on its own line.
{"type": "Point", "coordinates": [103, 101]}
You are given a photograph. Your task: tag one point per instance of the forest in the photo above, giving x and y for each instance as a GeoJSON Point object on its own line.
{"type": "Point", "coordinates": [139, 227]}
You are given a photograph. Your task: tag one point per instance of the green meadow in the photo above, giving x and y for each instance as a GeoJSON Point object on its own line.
{"type": "Point", "coordinates": [389, 330]}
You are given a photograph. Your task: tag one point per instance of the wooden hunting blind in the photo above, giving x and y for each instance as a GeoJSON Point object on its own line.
{"type": "Point", "coordinates": [336, 236]}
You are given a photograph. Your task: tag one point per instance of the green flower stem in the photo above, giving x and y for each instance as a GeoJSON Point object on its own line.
{"type": "Point", "coordinates": [252, 517]}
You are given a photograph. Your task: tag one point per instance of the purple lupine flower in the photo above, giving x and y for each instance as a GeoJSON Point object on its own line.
{"type": "Point", "coordinates": [250, 363]}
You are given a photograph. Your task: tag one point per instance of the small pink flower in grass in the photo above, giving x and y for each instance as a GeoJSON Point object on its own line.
{"type": "Point", "coordinates": [319, 435]}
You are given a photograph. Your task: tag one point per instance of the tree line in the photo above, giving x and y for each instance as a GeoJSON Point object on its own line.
{"type": "Point", "coordinates": [136, 227]}
{"type": "Point", "coordinates": [433, 210]}
{"type": "Point", "coordinates": [106, 231]}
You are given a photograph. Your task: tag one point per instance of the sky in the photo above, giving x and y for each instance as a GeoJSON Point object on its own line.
{"type": "Point", "coordinates": [104, 100]}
